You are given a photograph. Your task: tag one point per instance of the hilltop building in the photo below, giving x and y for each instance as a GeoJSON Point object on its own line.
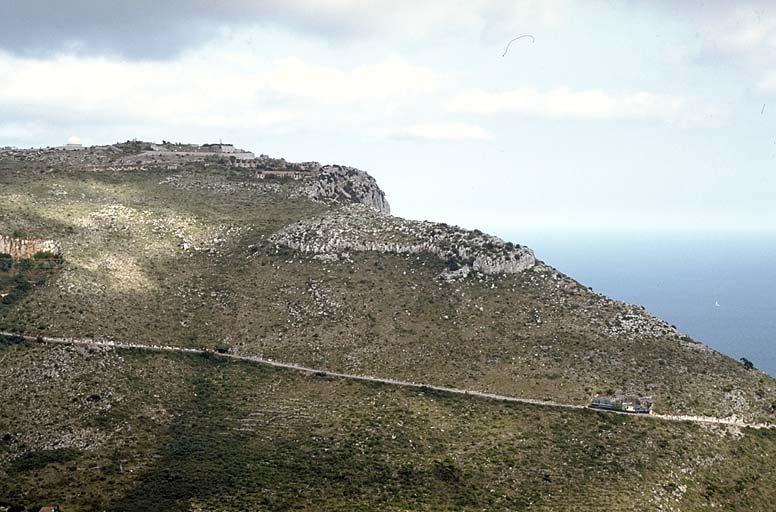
{"type": "Point", "coordinates": [220, 148]}
{"type": "Point", "coordinates": [227, 150]}
{"type": "Point", "coordinates": [73, 144]}
{"type": "Point", "coordinates": [278, 167]}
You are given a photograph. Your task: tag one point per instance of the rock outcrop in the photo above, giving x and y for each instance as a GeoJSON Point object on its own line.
{"type": "Point", "coordinates": [23, 248]}
{"type": "Point", "coordinates": [336, 184]}
{"type": "Point", "coordinates": [346, 185]}
{"type": "Point", "coordinates": [357, 228]}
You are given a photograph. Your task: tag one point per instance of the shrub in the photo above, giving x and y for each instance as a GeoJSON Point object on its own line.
{"type": "Point", "coordinates": [11, 339]}
{"type": "Point", "coordinates": [25, 264]}
{"type": "Point", "coordinates": [749, 365]}
{"type": "Point", "coordinates": [452, 264]}
{"type": "Point", "coordinates": [21, 284]}
{"type": "Point", "coordinates": [44, 255]}
{"type": "Point", "coordinates": [447, 471]}
{"type": "Point", "coordinates": [39, 460]}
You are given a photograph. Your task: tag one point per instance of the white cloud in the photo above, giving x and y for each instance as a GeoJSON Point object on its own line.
{"type": "Point", "coordinates": [204, 91]}
{"type": "Point", "coordinates": [734, 40]}
{"type": "Point", "coordinates": [125, 27]}
{"type": "Point", "coordinates": [568, 104]}
{"type": "Point", "coordinates": [13, 131]}
{"type": "Point", "coordinates": [445, 131]}
{"type": "Point", "coordinates": [767, 85]}
{"type": "Point", "coordinates": [747, 30]}
{"type": "Point", "coordinates": [392, 78]}
{"type": "Point", "coordinates": [431, 19]}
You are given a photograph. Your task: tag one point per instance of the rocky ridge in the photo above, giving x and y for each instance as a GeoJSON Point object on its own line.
{"type": "Point", "coordinates": [334, 184]}
{"type": "Point", "coordinates": [346, 185]}
{"type": "Point", "coordinates": [357, 228]}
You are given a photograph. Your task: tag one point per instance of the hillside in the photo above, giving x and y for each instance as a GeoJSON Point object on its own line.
{"type": "Point", "coordinates": [124, 430]}
{"type": "Point", "coordinates": [305, 265]}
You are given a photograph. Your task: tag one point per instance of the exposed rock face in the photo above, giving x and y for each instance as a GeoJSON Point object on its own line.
{"type": "Point", "coordinates": [22, 248]}
{"type": "Point", "coordinates": [329, 183]}
{"type": "Point", "coordinates": [357, 228]}
{"type": "Point", "coordinates": [346, 185]}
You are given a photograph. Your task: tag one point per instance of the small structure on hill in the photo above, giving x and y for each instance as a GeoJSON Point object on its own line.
{"type": "Point", "coordinates": [622, 404]}
{"type": "Point", "coordinates": [296, 175]}
{"type": "Point", "coordinates": [266, 166]}
{"type": "Point", "coordinates": [227, 150]}
{"type": "Point", "coordinates": [24, 248]}
{"type": "Point", "coordinates": [73, 144]}
{"type": "Point", "coordinates": [219, 148]}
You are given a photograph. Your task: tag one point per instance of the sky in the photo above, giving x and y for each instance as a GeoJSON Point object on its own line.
{"type": "Point", "coordinates": [614, 116]}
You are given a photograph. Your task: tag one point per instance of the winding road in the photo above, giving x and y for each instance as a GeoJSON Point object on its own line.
{"type": "Point", "coordinates": [393, 382]}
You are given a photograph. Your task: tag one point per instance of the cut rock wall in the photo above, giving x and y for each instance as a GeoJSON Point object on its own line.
{"type": "Point", "coordinates": [22, 248]}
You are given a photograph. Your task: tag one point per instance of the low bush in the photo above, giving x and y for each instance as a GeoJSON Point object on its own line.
{"type": "Point", "coordinates": [44, 255]}
{"type": "Point", "coordinates": [39, 460]}
{"type": "Point", "coordinates": [10, 340]}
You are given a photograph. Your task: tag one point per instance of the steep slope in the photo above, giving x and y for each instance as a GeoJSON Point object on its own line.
{"type": "Point", "coordinates": [311, 269]}
{"type": "Point", "coordinates": [212, 257]}
{"type": "Point", "coordinates": [134, 431]}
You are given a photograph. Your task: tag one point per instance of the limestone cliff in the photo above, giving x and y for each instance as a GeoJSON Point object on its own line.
{"type": "Point", "coordinates": [357, 228]}
{"type": "Point", "coordinates": [346, 185]}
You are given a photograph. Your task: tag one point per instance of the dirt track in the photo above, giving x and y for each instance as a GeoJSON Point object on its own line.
{"type": "Point", "coordinates": [365, 378]}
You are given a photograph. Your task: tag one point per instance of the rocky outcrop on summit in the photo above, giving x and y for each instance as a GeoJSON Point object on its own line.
{"type": "Point", "coordinates": [23, 248]}
{"type": "Point", "coordinates": [346, 185]}
{"type": "Point", "coordinates": [357, 228]}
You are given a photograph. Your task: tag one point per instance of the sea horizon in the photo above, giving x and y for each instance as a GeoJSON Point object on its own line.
{"type": "Point", "coordinates": [715, 286]}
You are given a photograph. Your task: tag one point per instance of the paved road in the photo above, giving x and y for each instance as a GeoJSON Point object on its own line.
{"type": "Point", "coordinates": [365, 378]}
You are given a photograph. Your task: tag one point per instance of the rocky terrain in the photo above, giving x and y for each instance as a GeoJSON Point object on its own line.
{"type": "Point", "coordinates": [126, 430]}
{"type": "Point", "coordinates": [362, 229]}
{"type": "Point", "coordinates": [316, 272]}
{"type": "Point", "coordinates": [344, 185]}
{"type": "Point", "coordinates": [333, 184]}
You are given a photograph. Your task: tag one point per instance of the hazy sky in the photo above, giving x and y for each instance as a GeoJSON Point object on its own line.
{"type": "Point", "coordinates": [621, 115]}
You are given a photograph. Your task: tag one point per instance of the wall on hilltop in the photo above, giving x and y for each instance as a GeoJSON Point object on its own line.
{"type": "Point", "coordinates": [22, 248]}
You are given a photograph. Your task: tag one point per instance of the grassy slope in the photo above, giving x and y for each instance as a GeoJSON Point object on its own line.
{"type": "Point", "coordinates": [535, 334]}
{"type": "Point", "coordinates": [125, 430]}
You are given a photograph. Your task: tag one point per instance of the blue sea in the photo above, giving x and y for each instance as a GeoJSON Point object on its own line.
{"type": "Point", "coordinates": [719, 288]}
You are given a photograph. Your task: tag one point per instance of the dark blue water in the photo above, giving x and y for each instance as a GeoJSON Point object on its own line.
{"type": "Point", "coordinates": [681, 278]}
